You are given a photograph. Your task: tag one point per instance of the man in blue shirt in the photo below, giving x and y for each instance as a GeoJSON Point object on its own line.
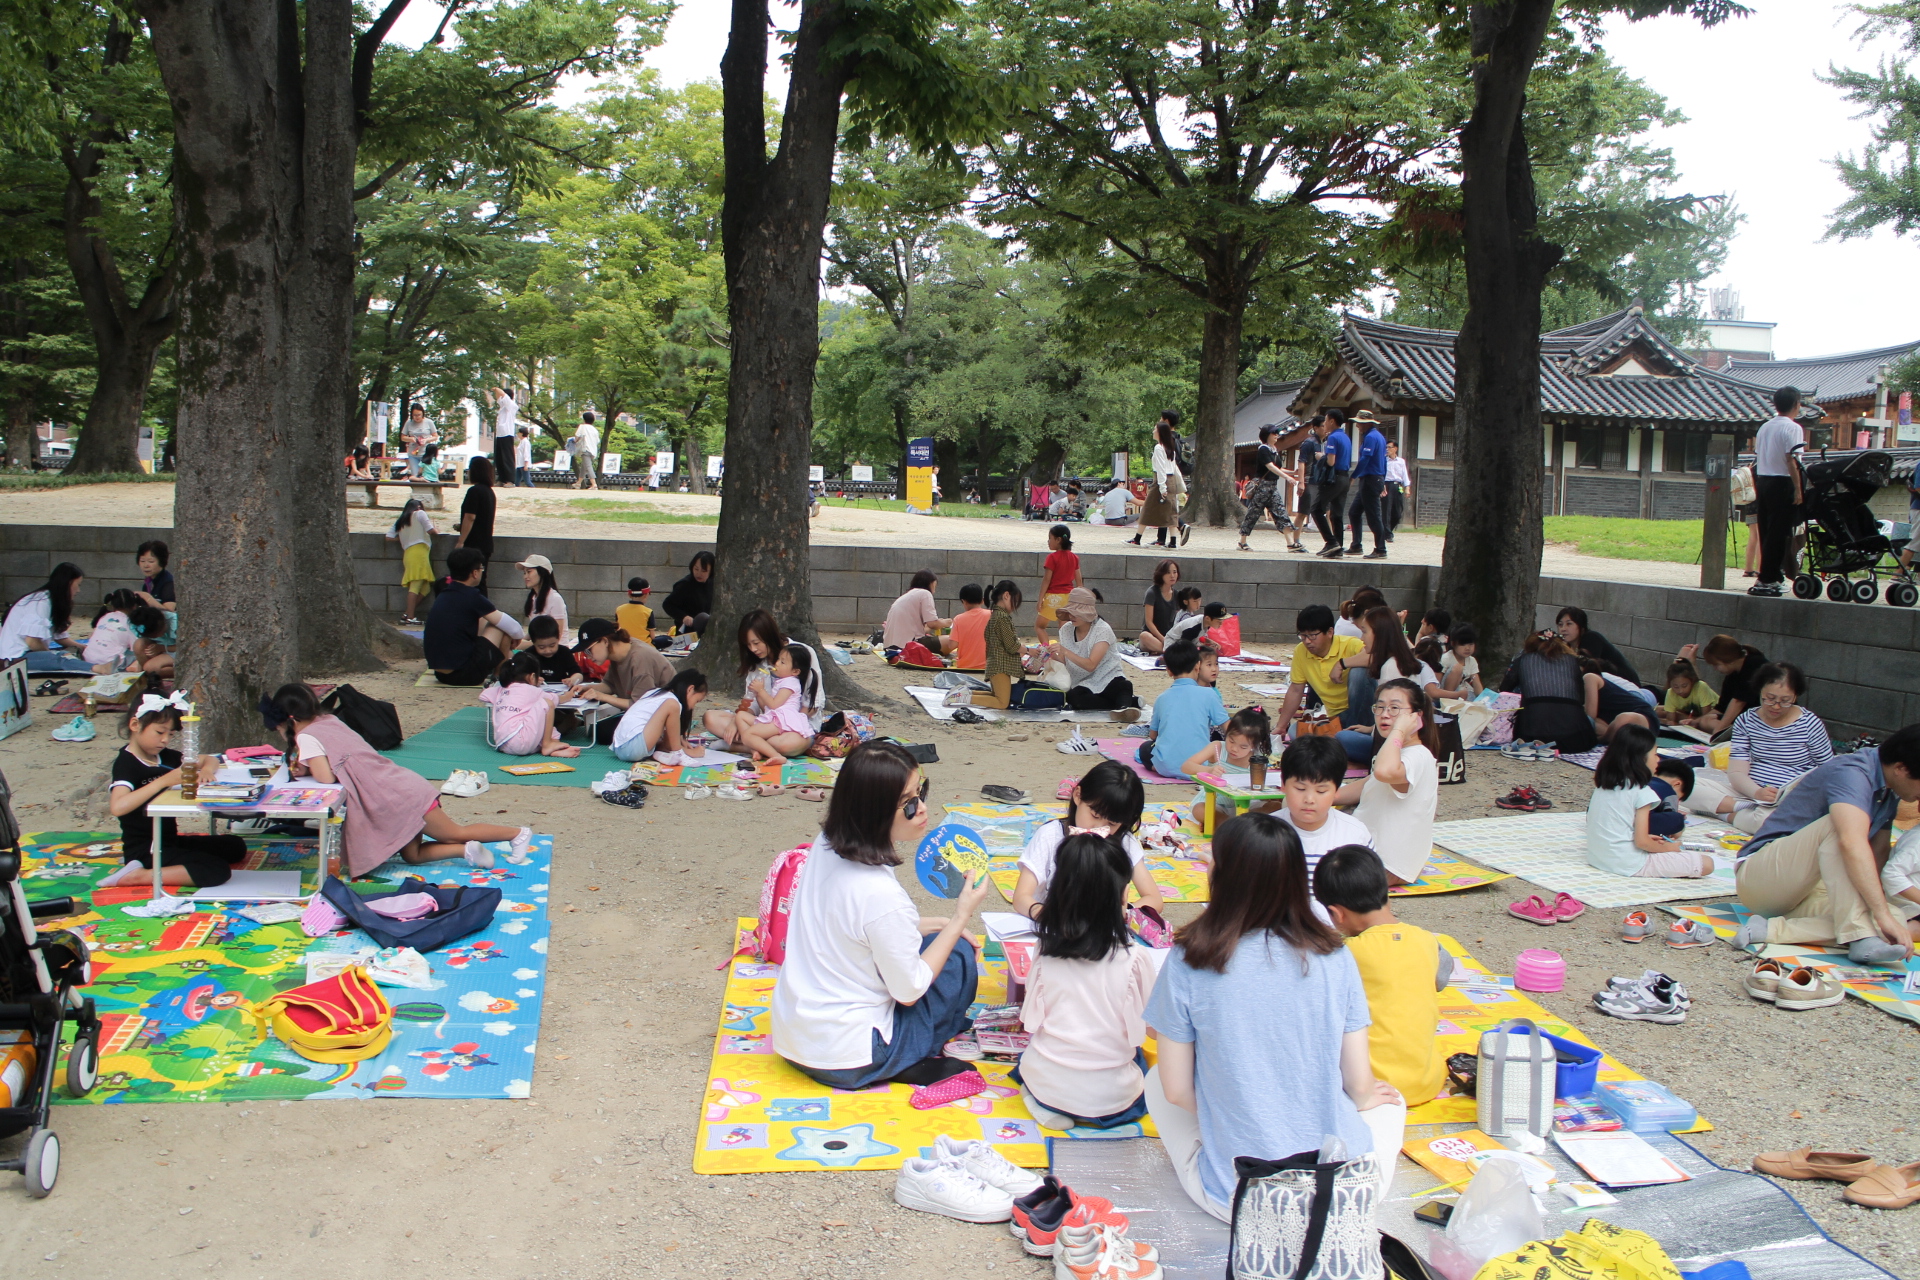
{"type": "Point", "coordinates": [1812, 872]}
{"type": "Point", "coordinates": [1184, 717]}
{"type": "Point", "coordinates": [1336, 460]}
{"type": "Point", "coordinates": [1370, 476]}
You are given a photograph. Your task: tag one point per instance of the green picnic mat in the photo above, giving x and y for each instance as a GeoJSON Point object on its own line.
{"type": "Point", "coordinates": [460, 742]}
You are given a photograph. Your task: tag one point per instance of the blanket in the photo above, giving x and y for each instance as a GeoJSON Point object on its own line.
{"type": "Point", "coordinates": [1550, 850]}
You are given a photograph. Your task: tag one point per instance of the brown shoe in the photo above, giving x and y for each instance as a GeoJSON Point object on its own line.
{"type": "Point", "coordinates": [1886, 1186]}
{"type": "Point", "coordinates": [1806, 1164]}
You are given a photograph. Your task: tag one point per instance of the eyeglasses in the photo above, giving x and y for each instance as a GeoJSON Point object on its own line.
{"type": "Point", "coordinates": [1310, 636]}
{"type": "Point", "coordinates": [910, 807]}
{"type": "Point", "coordinates": [1788, 701]}
{"type": "Point", "coordinates": [1395, 707]}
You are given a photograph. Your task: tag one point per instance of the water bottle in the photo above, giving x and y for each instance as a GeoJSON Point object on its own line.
{"type": "Point", "coordinates": [189, 757]}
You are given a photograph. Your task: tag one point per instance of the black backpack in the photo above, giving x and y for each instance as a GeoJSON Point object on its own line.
{"type": "Point", "coordinates": [372, 719]}
{"type": "Point", "coordinates": [1183, 455]}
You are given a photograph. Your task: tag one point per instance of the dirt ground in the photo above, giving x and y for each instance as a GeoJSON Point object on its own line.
{"type": "Point", "coordinates": [547, 513]}
{"type": "Point", "coordinates": [591, 1176]}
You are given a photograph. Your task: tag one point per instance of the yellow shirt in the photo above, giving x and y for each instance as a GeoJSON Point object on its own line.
{"type": "Point", "coordinates": [1318, 672]}
{"type": "Point", "coordinates": [1699, 698]}
{"type": "Point", "coordinates": [1399, 964]}
{"type": "Point", "coordinates": [634, 619]}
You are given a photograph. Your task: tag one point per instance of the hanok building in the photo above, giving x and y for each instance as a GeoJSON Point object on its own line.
{"type": "Point", "coordinates": [1628, 415]}
{"type": "Point", "coordinates": [1843, 386]}
{"type": "Point", "coordinates": [1265, 406]}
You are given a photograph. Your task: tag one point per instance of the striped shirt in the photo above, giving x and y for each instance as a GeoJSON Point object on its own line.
{"type": "Point", "coordinates": [1778, 755]}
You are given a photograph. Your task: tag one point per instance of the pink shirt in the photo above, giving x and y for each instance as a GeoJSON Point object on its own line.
{"type": "Point", "coordinates": [518, 712]}
{"type": "Point", "coordinates": [791, 715]}
{"type": "Point", "coordinates": [910, 616]}
{"type": "Point", "coordinates": [1087, 1017]}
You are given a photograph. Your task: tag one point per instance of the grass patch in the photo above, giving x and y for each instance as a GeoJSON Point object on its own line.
{"type": "Point", "coordinates": [964, 510]}
{"type": "Point", "coordinates": [58, 480]}
{"type": "Point", "coordinates": [635, 513]}
{"type": "Point", "coordinates": [1617, 538]}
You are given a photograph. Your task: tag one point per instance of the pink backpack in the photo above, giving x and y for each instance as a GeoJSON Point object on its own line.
{"type": "Point", "coordinates": [776, 903]}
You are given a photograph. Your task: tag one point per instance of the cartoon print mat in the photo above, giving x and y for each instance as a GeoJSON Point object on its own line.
{"type": "Point", "coordinates": [762, 1115]}
{"type": "Point", "coordinates": [802, 769]}
{"type": "Point", "coordinates": [174, 993]}
{"type": "Point", "coordinates": [1550, 850]}
{"type": "Point", "coordinates": [1879, 985]}
{"type": "Point", "coordinates": [1470, 1008]}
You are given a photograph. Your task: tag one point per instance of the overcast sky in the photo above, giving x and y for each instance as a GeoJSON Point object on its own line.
{"type": "Point", "coordinates": [1760, 127]}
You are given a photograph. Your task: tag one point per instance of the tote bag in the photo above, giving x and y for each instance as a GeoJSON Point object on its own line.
{"type": "Point", "coordinates": [1298, 1219]}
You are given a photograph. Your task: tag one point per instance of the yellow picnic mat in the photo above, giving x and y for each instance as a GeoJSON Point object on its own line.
{"type": "Point", "coordinates": [1469, 1008]}
{"type": "Point", "coordinates": [1006, 828]}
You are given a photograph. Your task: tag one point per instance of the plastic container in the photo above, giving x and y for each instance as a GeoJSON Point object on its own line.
{"type": "Point", "coordinates": [1537, 969]}
{"type": "Point", "coordinates": [1571, 1079]}
{"type": "Point", "coordinates": [189, 757]}
{"type": "Point", "coordinates": [1718, 756]}
{"type": "Point", "coordinates": [1646, 1107]}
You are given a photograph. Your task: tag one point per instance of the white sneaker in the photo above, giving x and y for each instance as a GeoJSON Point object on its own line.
{"type": "Point", "coordinates": [986, 1164]}
{"type": "Point", "coordinates": [465, 783]}
{"type": "Point", "coordinates": [478, 855]}
{"type": "Point", "coordinates": [1077, 745]}
{"type": "Point", "coordinates": [946, 1188]}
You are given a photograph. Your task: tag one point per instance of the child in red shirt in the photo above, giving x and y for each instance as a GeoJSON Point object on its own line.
{"type": "Point", "coordinates": [1063, 575]}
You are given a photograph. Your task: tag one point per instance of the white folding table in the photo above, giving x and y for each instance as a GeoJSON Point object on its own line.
{"type": "Point", "coordinates": [171, 804]}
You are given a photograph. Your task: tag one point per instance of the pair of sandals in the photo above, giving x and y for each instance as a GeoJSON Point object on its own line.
{"type": "Point", "coordinates": [1537, 910]}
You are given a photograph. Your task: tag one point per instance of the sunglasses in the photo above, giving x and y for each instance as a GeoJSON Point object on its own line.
{"type": "Point", "coordinates": [910, 807]}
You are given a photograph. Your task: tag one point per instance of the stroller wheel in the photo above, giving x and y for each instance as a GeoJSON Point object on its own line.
{"type": "Point", "coordinates": [42, 1163]}
{"type": "Point", "coordinates": [1806, 587]}
{"type": "Point", "coordinates": [83, 1065]}
{"type": "Point", "coordinates": [1839, 590]}
{"type": "Point", "coordinates": [1866, 591]}
{"type": "Point", "coordinates": [1901, 595]}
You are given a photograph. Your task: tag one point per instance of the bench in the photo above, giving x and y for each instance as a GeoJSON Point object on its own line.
{"type": "Point", "coordinates": [432, 493]}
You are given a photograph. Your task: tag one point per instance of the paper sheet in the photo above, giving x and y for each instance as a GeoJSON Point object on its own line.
{"type": "Point", "coordinates": [1619, 1158]}
{"type": "Point", "coordinates": [1002, 925]}
{"type": "Point", "coordinates": [256, 886]}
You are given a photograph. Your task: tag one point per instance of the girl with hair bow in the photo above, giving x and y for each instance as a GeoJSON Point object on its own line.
{"type": "Point", "coordinates": [143, 769]}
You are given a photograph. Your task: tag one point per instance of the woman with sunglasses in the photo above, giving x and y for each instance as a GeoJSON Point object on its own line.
{"type": "Point", "coordinates": [871, 990]}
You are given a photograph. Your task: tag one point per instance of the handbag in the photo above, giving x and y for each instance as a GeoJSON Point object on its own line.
{"type": "Point", "coordinates": [1452, 757]}
{"type": "Point", "coordinates": [1026, 695]}
{"type": "Point", "coordinates": [1299, 1219]}
{"type": "Point", "coordinates": [460, 910]}
{"type": "Point", "coordinates": [839, 734]}
{"type": "Point", "coordinates": [341, 1019]}
{"type": "Point", "coordinates": [1515, 1085]}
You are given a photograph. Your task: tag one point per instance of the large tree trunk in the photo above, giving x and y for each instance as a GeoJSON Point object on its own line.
{"type": "Point", "coordinates": [1210, 492]}
{"type": "Point", "coordinates": [1490, 569]}
{"type": "Point", "coordinates": [110, 439]}
{"type": "Point", "coordinates": [772, 223]}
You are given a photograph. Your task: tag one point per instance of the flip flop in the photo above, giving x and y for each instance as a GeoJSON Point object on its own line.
{"type": "Point", "coordinates": [50, 688]}
{"type": "Point", "coordinates": [815, 794]}
{"type": "Point", "coordinates": [1534, 909]}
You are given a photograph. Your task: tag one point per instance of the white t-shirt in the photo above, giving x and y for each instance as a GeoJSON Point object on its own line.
{"type": "Point", "coordinates": [633, 722]}
{"type": "Point", "coordinates": [1610, 813]}
{"type": "Point", "coordinates": [1339, 828]}
{"type": "Point", "coordinates": [1038, 856]}
{"type": "Point", "coordinates": [30, 618]}
{"type": "Point", "coordinates": [555, 608]}
{"type": "Point", "coordinates": [1448, 662]}
{"type": "Point", "coordinates": [1402, 825]}
{"type": "Point", "coordinates": [506, 417]}
{"type": "Point", "coordinates": [587, 438]}
{"type": "Point", "coordinates": [1775, 441]}
{"type": "Point", "coordinates": [523, 452]}
{"type": "Point", "coordinates": [853, 953]}
{"type": "Point", "coordinates": [1902, 873]}
{"type": "Point", "coordinates": [1391, 671]}
{"type": "Point", "coordinates": [307, 747]}
{"type": "Point", "coordinates": [416, 531]}
{"type": "Point", "coordinates": [1347, 627]}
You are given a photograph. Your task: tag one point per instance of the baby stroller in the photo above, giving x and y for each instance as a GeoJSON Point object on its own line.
{"type": "Point", "coordinates": [1039, 500]}
{"type": "Point", "coordinates": [40, 979]}
{"type": "Point", "coordinates": [1846, 550]}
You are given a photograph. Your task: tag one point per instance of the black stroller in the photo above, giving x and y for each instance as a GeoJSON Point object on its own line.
{"type": "Point", "coordinates": [1847, 554]}
{"type": "Point", "coordinates": [40, 979]}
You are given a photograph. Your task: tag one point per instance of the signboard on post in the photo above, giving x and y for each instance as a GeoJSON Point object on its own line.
{"type": "Point", "coordinates": [716, 467]}
{"type": "Point", "coordinates": [861, 475]}
{"type": "Point", "coordinates": [662, 465]}
{"type": "Point", "coordinates": [816, 475]}
{"type": "Point", "coordinates": [920, 473]}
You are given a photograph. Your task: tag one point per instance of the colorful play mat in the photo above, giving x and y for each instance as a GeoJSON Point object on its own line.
{"type": "Point", "coordinates": [1883, 987]}
{"type": "Point", "coordinates": [174, 993]}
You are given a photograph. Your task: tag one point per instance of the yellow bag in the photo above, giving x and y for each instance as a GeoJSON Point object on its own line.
{"type": "Point", "coordinates": [1598, 1251]}
{"type": "Point", "coordinates": [343, 1019]}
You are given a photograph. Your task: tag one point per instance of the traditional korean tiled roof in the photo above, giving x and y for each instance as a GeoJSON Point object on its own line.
{"type": "Point", "coordinates": [1265, 407]}
{"type": "Point", "coordinates": [1821, 379]}
{"type": "Point", "coordinates": [1580, 372]}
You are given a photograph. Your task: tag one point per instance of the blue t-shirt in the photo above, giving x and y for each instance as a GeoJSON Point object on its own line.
{"type": "Point", "coordinates": [1854, 779]}
{"type": "Point", "coordinates": [1183, 720]}
{"type": "Point", "coordinates": [1336, 454]}
{"type": "Point", "coordinates": [1266, 1037]}
{"type": "Point", "coordinates": [1373, 454]}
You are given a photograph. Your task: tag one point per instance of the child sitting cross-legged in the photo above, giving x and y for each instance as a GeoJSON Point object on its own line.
{"type": "Point", "coordinates": [1311, 771]}
{"type": "Point", "coordinates": [1108, 801]}
{"type": "Point", "coordinates": [522, 711]}
{"type": "Point", "coordinates": [143, 769]}
{"type": "Point", "coordinates": [1247, 731]}
{"type": "Point", "coordinates": [1184, 716]}
{"type": "Point", "coordinates": [782, 730]}
{"type": "Point", "coordinates": [1087, 994]}
{"type": "Point", "coordinates": [1619, 837]}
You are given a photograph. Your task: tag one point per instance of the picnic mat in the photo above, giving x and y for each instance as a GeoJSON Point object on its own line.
{"type": "Point", "coordinates": [174, 993]}
{"type": "Point", "coordinates": [762, 1115]}
{"type": "Point", "coordinates": [801, 769]}
{"type": "Point", "coordinates": [1550, 850]}
{"type": "Point", "coordinates": [1880, 986]}
{"type": "Point", "coordinates": [1127, 752]}
{"type": "Point", "coordinates": [934, 702]}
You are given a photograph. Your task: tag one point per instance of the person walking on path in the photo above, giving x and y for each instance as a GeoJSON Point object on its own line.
{"type": "Point", "coordinates": [1776, 484]}
{"type": "Point", "coordinates": [585, 448]}
{"type": "Point", "coordinates": [1370, 478]}
{"type": "Point", "coordinates": [1398, 482]}
{"type": "Point", "coordinates": [506, 417]}
{"type": "Point", "coordinates": [1336, 460]}
{"type": "Point", "coordinates": [1268, 495]}
{"type": "Point", "coordinates": [1162, 511]}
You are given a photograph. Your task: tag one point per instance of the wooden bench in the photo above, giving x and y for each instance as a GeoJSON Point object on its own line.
{"type": "Point", "coordinates": [432, 493]}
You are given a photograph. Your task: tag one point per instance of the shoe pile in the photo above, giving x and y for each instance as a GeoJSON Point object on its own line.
{"type": "Point", "coordinates": [1869, 1183]}
{"type": "Point", "coordinates": [1086, 1237]}
{"type": "Point", "coordinates": [967, 1180]}
{"type": "Point", "coordinates": [466, 783]}
{"type": "Point", "coordinates": [1077, 745]}
{"type": "Point", "coordinates": [1795, 988]}
{"type": "Point", "coordinates": [1651, 997]}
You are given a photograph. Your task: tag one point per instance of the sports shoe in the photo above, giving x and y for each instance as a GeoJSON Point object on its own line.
{"type": "Point", "coordinates": [1005, 795]}
{"type": "Point", "coordinates": [728, 791]}
{"type": "Point", "coordinates": [986, 1164]}
{"type": "Point", "coordinates": [613, 780]}
{"type": "Point", "coordinates": [1646, 979]}
{"type": "Point", "coordinates": [1635, 927]}
{"type": "Point", "coordinates": [1100, 1252]}
{"type": "Point", "coordinates": [78, 729]}
{"type": "Point", "coordinates": [955, 1088]}
{"type": "Point", "coordinates": [1764, 982]}
{"type": "Point", "coordinates": [1523, 799]}
{"type": "Point", "coordinates": [1517, 750]}
{"type": "Point", "coordinates": [1138, 729]}
{"type": "Point", "coordinates": [958, 698]}
{"type": "Point", "coordinates": [465, 783]}
{"type": "Point", "coordinates": [1078, 745]}
{"type": "Point", "coordinates": [1043, 1221]}
{"type": "Point", "coordinates": [1049, 1201]}
{"type": "Point", "coordinates": [478, 855]}
{"type": "Point", "coordinates": [1807, 988]}
{"type": "Point", "coordinates": [698, 791]}
{"type": "Point", "coordinates": [1657, 1001]}
{"type": "Point", "coordinates": [1126, 715]}
{"type": "Point", "coordinates": [1684, 935]}
{"type": "Point", "coordinates": [963, 1048]}
{"type": "Point", "coordinates": [946, 1188]}
{"type": "Point", "coordinates": [1764, 589]}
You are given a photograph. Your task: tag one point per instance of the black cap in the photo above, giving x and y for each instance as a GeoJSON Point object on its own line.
{"type": "Point", "coordinates": [594, 629]}
{"type": "Point", "coordinates": [636, 585]}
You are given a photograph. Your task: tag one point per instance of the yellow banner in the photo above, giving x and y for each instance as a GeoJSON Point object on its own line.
{"type": "Point", "coordinates": [920, 487]}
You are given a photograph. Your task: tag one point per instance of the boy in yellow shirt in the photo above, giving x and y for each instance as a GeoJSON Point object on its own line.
{"type": "Point", "coordinates": [635, 617]}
